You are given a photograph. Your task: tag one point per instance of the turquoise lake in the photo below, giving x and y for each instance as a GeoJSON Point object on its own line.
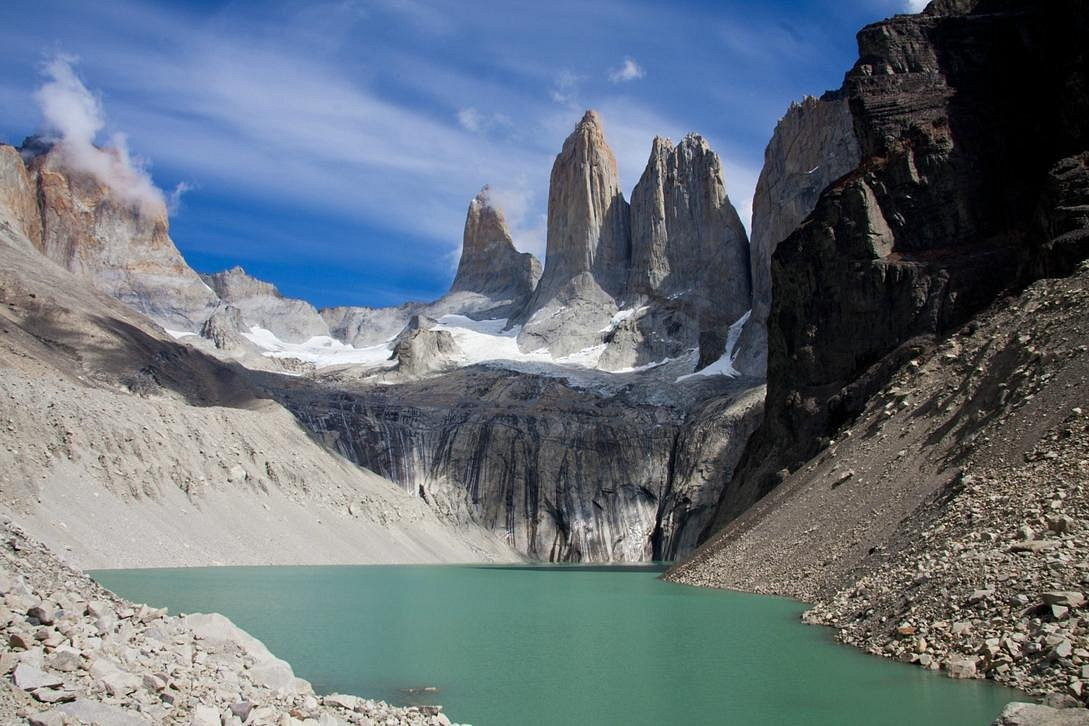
{"type": "Point", "coordinates": [543, 645]}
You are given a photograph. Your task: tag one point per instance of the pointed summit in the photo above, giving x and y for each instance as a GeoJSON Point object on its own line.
{"type": "Point", "coordinates": [588, 245]}
{"type": "Point", "coordinates": [490, 265]}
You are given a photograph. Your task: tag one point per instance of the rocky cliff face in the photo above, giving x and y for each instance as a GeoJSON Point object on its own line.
{"type": "Point", "coordinates": [19, 196]}
{"type": "Point", "coordinates": [262, 305]}
{"type": "Point", "coordinates": [562, 473]}
{"type": "Point", "coordinates": [645, 282]}
{"type": "Point", "coordinates": [364, 327]}
{"type": "Point", "coordinates": [123, 248]}
{"type": "Point", "coordinates": [813, 145]}
{"type": "Point", "coordinates": [689, 270]}
{"type": "Point", "coordinates": [588, 246]}
{"type": "Point", "coordinates": [969, 118]}
{"type": "Point", "coordinates": [490, 265]}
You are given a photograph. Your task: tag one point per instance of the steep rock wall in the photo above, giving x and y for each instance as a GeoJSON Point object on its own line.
{"type": "Point", "coordinates": [965, 116]}
{"type": "Point", "coordinates": [562, 474]}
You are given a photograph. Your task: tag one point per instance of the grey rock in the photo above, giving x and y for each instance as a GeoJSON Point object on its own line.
{"type": "Point", "coordinates": [1069, 599]}
{"type": "Point", "coordinates": [960, 668]}
{"type": "Point", "coordinates": [102, 714]}
{"type": "Point", "coordinates": [43, 613]}
{"type": "Point", "coordinates": [813, 145]}
{"type": "Point", "coordinates": [340, 700]}
{"type": "Point", "coordinates": [53, 695]}
{"type": "Point", "coordinates": [204, 716]}
{"type": "Point", "coordinates": [64, 659]}
{"type": "Point", "coordinates": [689, 257]}
{"type": "Point", "coordinates": [242, 709]}
{"type": "Point", "coordinates": [1031, 714]}
{"type": "Point", "coordinates": [29, 678]}
{"type": "Point", "coordinates": [419, 349]}
{"type": "Point", "coordinates": [46, 718]}
{"type": "Point", "coordinates": [588, 247]}
{"type": "Point", "coordinates": [490, 265]}
{"type": "Point", "coordinates": [364, 327]}
{"type": "Point", "coordinates": [261, 304]}
{"type": "Point", "coordinates": [225, 327]}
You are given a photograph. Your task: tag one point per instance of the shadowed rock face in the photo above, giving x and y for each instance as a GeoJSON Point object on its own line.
{"type": "Point", "coordinates": [690, 258]}
{"type": "Point", "coordinates": [588, 247]}
{"type": "Point", "coordinates": [564, 474]}
{"type": "Point", "coordinates": [490, 265]}
{"type": "Point", "coordinates": [972, 122]}
{"type": "Point", "coordinates": [813, 145]}
{"type": "Point", "coordinates": [124, 249]}
{"type": "Point", "coordinates": [262, 305]}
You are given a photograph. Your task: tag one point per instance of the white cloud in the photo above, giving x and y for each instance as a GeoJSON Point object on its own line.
{"type": "Point", "coordinates": [629, 70]}
{"type": "Point", "coordinates": [470, 120]}
{"type": "Point", "coordinates": [476, 122]}
{"type": "Point", "coordinates": [74, 118]}
{"type": "Point", "coordinates": [915, 6]}
{"type": "Point", "coordinates": [565, 89]}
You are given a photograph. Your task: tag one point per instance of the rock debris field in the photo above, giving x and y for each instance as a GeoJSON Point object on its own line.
{"type": "Point", "coordinates": [74, 653]}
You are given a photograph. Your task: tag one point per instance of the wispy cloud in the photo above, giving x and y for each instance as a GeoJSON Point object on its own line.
{"type": "Point", "coordinates": [384, 117]}
{"type": "Point", "coordinates": [74, 118]}
{"type": "Point", "coordinates": [478, 122]}
{"type": "Point", "coordinates": [629, 70]}
{"type": "Point", "coordinates": [915, 6]}
{"type": "Point", "coordinates": [565, 88]}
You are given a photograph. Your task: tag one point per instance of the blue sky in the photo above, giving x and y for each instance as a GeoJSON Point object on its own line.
{"type": "Point", "coordinates": [332, 147]}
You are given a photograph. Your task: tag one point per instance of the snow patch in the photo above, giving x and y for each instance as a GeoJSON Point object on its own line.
{"type": "Point", "coordinates": [724, 366]}
{"type": "Point", "coordinates": [621, 316]}
{"type": "Point", "coordinates": [178, 334]}
{"type": "Point", "coordinates": [321, 350]}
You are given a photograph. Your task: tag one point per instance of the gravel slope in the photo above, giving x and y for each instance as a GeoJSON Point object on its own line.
{"type": "Point", "coordinates": [942, 525]}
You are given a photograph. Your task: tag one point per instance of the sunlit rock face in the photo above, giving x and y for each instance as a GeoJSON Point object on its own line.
{"type": "Point", "coordinates": [589, 245]}
{"type": "Point", "coordinates": [122, 246]}
{"type": "Point", "coordinates": [689, 273]}
{"type": "Point", "coordinates": [261, 305]}
{"type": "Point", "coordinates": [490, 265]}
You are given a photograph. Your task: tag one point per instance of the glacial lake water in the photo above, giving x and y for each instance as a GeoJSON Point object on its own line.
{"type": "Point", "coordinates": [540, 645]}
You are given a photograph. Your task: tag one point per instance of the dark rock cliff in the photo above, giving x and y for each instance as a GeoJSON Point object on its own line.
{"type": "Point", "coordinates": [972, 122]}
{"type": "Point", "coordinates": [813, 145]}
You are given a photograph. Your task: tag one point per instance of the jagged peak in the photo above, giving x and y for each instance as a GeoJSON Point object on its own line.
{"type": "Point", "coordinates": [590, 119]}
{"type": "Point", "coordinates": [483, 198]}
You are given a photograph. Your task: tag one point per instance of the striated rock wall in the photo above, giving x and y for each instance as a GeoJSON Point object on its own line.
{"type": "Point", "coordinates": [965, 117]}
{"type": "Point", "coordinates": [563, 474]}
{"type": "Point", "coordinates": [813, 145]}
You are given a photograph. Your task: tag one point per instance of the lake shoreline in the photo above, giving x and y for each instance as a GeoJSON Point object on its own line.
{"type": "Point", "coordinates": [72, 649]}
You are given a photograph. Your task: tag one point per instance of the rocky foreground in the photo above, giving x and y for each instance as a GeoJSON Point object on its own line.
{"type": "Point", "coordinates": [74, 653]}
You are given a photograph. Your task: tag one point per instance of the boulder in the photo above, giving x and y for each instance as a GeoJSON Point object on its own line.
{"type": "Point", "coordinates": [960, 668]}
{"type": "Point", "coordinates": [29, 678]}
{"type": "Point", "coordinates": [1031, 714]}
